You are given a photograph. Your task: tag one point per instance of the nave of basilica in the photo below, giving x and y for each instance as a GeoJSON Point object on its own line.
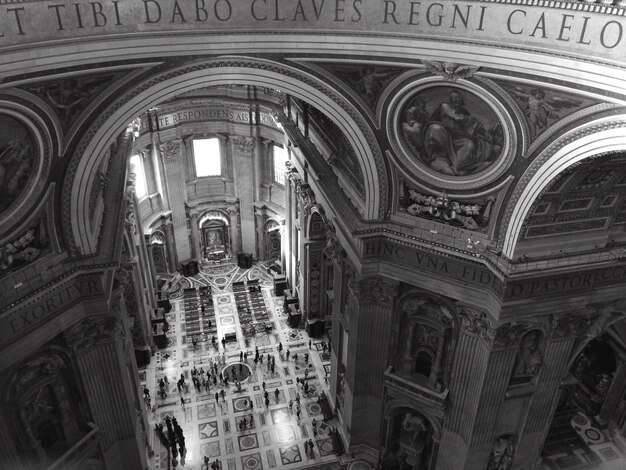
{"type": "Point", "coordinates": [312, 234]}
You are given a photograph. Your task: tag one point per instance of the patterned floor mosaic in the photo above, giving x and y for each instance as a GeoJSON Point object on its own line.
{"type": "Point", "coordinates": [273, 437]}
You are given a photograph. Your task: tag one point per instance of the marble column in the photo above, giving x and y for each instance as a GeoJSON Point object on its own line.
{"type": "Point", "coordinates": [374, 299]}
{"type": "Point", "coordinates": [195, 237]}
{"type": "Point", "coordinates": [98, 343]}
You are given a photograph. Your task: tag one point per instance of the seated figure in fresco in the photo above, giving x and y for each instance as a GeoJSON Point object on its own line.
{"type": "Point", "coordinates": [456, 143]}
{"type": "Point", "coordinates": [16, 159]}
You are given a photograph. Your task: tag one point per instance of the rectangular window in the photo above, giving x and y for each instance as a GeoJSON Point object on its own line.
{"type": "Point", "coordinates": [207, 157]}
{"type": "Point", "coordinates": [136, 165]}
{"type": "Point", "coordinates": [280, 157]}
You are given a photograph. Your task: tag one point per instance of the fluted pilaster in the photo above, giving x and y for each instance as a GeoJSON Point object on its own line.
{"type": "Point", "coordinates": [195, 237]}
{"type": "Point", "coordinates": [376, 298]}
{"type": "Point", "coordinates": [175, 177]}
{"type": "Point", "coordinates": [466, 382]}
{"type": "Point", "coordinates": [9, 458]}
{"type": "Point", "coordinates": [544, 401]}
{"type": "Point", "coordinates": [244, 182]}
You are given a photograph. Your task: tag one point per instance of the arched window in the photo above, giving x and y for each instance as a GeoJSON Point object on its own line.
{"type": "Point", "coordinates": [141, 188]}
{"type": "Point", "coordinates": [207, 157]}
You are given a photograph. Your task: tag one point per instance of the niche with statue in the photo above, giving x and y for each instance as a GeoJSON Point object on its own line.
{"type": "Point", "coordinates": [408, 440]}
{"type": "Point", "coordinates": [529, 357]}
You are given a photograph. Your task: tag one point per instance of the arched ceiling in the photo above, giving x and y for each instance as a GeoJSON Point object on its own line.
{"type": "Point", "coordinates": [354, 70]}
{"type": "Point", "coordinates": [584, 207]}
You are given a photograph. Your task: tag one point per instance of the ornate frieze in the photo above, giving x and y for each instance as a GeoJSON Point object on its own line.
{"type": "Point", "coordinates": [471, 216]}
{"type": "Point", "coordinates": [24, 249]}
{"type": "Point", "coordinates": [93, 330]}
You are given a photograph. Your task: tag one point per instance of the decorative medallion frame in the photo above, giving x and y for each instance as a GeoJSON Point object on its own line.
{"type": "Point", "coordinates": [39, 169]}
{"type": "Point", "coordinates": [409, 163]}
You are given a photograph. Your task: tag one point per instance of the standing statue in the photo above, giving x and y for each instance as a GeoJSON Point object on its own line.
{"type": "Point", "coordinates": [529, 356]}
{"type": "Point", "coordinates": [501, 454]}
{"type": "Point", "coordinates": [413, 428]}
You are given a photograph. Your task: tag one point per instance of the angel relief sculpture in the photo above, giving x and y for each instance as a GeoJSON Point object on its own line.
{"type": "Point", "coordinates": [442, 133]}
{"type": "Point", "coordinates": [540, 110]}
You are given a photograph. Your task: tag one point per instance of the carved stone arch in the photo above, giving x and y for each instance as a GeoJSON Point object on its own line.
{"type": "Point", "coordinates": [89, 152]}
{"type": "Point", "coordinates": [594, 324]}
{"type": "Point", "coordinates": [316, 226]}
{"type": "Point", "coordinates": [213, 214]}
{"type": "Point", "coordinates": [157, 237]}
{"type": "Point", "coordinates": [600, 137]}
{"type": "Point", "coordinates": [271, 223]}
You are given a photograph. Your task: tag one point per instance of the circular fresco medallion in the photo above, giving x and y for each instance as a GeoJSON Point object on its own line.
{"type": "Point", "coordinates": [19, 162]}
{"type": "Point", "coordinates": [453, 134]}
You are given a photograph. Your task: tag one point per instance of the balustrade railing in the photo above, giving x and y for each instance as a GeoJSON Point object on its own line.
{"type": "Point", "coordinates": [82, 449]}
{"type": "Point", "coordinates": [424, 393]}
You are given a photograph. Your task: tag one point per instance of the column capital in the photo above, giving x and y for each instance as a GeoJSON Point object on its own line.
{"type": "Point", "coordinates": [376, 290]}
{"type": "Point", "coordinates": [92, 331]}
{"type": "Point", "coordinates": [476, 322]}
{"type": "Point", "coordinates": [243, 144]}
{"type": "Point", "coordinates": [509, 335]}
{"type": "Point", "coordinates": [170, 150]}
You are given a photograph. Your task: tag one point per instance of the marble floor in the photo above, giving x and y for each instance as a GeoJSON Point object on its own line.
{"type": "Point", "coordinates": [276, 438]}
